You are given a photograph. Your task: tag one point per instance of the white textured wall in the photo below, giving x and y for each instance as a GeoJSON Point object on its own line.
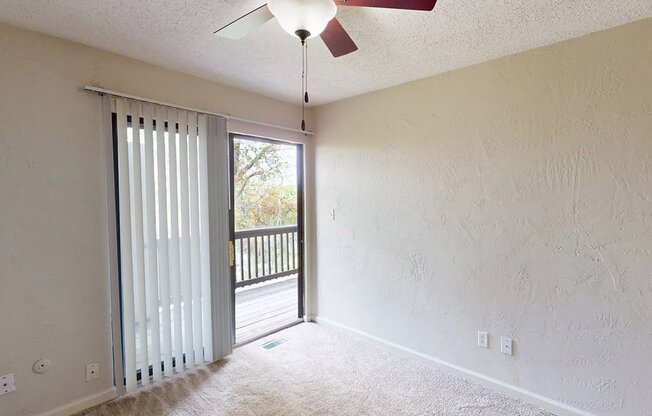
{"type": "Point", "coordinates": [514, 196]}
{"type": "Point", "coordinates": [54, 299]}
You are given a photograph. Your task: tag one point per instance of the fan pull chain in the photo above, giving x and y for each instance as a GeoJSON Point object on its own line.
{"type": "Point", "coordinates": [304, 82]}
{"type": "Point", "coordinates": [305, 98]}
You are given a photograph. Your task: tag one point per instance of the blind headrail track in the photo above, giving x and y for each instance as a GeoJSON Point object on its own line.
{"type": "Point", "coordinates": [103, 91]}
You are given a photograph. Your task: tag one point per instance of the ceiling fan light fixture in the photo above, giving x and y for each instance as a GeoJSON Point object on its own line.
{"type": "Point", "coordinates": [297, 17]}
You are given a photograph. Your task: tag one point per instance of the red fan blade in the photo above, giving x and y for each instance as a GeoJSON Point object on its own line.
{"type": "Point", "coordinates": [245, 24]}
{"type": "Point", "coordinates": [337, 40]}
{"type": "Point", "coordinates": [425, 5]}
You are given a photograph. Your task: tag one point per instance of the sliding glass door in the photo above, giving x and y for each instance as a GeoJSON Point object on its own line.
{"type": "Point", "coordinates": [266, 235]}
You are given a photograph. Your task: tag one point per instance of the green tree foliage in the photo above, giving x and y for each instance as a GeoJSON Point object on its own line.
{"type": "Point", "coordinates": [265, 185]}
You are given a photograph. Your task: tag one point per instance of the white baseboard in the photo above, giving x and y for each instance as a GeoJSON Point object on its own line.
{"type": "Point", "coordinates": [554, 406]}
{"type": "Point", "coordinates": [82, 404]}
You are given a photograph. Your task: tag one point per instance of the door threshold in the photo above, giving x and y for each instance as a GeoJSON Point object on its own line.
{"type": "Point", "coordinates": [268, 333]}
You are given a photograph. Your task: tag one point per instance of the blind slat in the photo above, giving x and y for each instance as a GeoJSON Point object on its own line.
{"type": "Point", "coordinates": [152, 266]}
{"type": "Point", "coordinates": [163, 263]}
{"type": "Point", "coordinates": [203, 240]}
{"type": "Point", "coordinates": [138, 246]}
{"type": "Point", "coordinates": [175, 271]}
{"type": "Point", "coordinates": [126, 264]}
{"type": "Point", "coordinates": [195, 268]}
{"type": "Point", "coordinates": [186, 282]}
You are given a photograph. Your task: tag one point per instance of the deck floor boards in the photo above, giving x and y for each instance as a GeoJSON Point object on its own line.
{"type": "Point", "coordinates": [264, 308]}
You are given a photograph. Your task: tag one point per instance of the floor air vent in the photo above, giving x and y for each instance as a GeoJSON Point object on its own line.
{"type": "Point", "coordinates": [274, 343]}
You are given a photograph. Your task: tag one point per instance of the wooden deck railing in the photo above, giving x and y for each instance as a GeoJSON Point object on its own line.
{"type": "Point", "coordinates": [264, 254]}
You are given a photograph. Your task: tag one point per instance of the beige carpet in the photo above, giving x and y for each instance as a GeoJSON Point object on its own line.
{"type": "Point", "coordinates": [318, 371]}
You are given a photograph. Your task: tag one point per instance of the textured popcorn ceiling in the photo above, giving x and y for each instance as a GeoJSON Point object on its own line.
{"type": "Point", "coordinates": [395, 46]}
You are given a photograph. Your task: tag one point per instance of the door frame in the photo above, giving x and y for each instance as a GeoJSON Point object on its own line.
{"type": "Point", "coordinates": [300, 219]}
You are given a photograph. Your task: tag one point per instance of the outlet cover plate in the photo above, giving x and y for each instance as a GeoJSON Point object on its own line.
{"type": "Point", "coordinates": [483, 339]}
{"type": "Point", "coordinates": [506, 345]}
{"type": "Point", "coordinates": [92, 371]}
{"type": "Point", "coordinates": [7, 384]}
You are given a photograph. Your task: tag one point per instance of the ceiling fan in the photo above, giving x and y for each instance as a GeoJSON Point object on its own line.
{"type": "Point", "coordinates": [307, 19]}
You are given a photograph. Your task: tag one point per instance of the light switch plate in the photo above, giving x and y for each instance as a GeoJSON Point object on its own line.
{"type": "Point", "coordinates": [506, 345]}
{"type": "Point", "coordinates": [7, 384]}
{"type": "Point", "coordinates": [483, 339]}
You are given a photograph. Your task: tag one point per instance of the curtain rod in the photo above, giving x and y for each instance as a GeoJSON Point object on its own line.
{"type": "Point", "coordinates": [103, 91]}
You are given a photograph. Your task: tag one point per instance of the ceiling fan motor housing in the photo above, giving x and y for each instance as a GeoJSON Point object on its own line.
{"type": "Point", "coordinates": [302, 34]}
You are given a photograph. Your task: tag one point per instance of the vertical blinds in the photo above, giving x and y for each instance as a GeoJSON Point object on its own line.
{"type": "Point", "coordinates": [164, 239]}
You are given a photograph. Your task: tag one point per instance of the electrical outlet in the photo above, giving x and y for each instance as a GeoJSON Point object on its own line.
{"type": "Point", "coordinates": [506, 345]}
{"type": "Point", "coordinates": [92, 371]}
{"type": "Point", "coordinates": [7, 384]}
{"type": "Point", "coordinates": [483, 339]}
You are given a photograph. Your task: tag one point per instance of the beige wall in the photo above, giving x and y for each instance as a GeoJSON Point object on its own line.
{"type": "Point", "coordinates": [513, 196]}
{"type": "Point", "coordinates": [54, 299]}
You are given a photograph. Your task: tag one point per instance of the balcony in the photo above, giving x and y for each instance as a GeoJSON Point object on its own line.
{"type": "Point", "coordinates": [266, 280]}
